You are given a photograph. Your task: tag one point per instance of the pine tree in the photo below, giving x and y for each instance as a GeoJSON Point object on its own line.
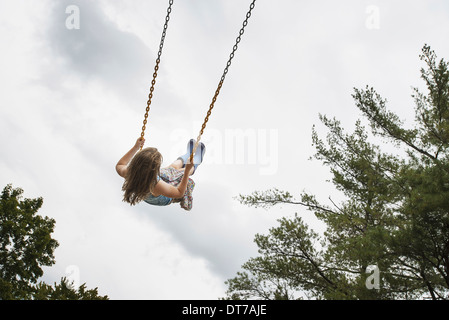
{"type": "Point", "coordinates": [394, 216]}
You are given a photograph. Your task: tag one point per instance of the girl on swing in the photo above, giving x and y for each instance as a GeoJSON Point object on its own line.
{"type": "Point", "coordinates": [146, 181]}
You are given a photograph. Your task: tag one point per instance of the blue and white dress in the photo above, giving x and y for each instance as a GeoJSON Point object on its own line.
{"type": "Point", "coordinates": [173, 177]}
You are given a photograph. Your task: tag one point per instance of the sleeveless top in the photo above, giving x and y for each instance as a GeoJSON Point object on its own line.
{"type": "Point", "coordinates": [160, 200]}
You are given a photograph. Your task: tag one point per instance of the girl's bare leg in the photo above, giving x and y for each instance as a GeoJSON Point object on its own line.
{"type": "Point", "coordinates": [178, 166]}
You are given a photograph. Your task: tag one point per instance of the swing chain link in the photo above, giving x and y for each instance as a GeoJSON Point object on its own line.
{"type": "Point", "coordinates": [156, 69]}
{"type": "Point", "coordinates": [223, 77]}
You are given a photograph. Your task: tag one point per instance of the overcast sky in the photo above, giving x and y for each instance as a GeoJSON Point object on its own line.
{"type": "Point", "coordinates": [73, 98]}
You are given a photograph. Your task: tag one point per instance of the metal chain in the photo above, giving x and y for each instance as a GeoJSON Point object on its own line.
{"type": "Point", "coordinates": [225, 72]}
{"type": "Point", "coordinates": [156, 68]}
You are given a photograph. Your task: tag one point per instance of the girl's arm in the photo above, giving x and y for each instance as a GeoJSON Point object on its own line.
{"type": "Point", "coordinates": [121, 166]}
{"type": "Point", "coordinates": [165, 189]}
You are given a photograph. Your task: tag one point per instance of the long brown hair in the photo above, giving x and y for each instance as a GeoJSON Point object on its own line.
{"type": "Point", "coordinates": [141, 176]}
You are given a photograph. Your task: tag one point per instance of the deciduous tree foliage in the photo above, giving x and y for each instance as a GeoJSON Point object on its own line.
{"type": "Point", "coordinates": [26, 246]}
{"type": "Point", "coordinates": [394, 213]}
